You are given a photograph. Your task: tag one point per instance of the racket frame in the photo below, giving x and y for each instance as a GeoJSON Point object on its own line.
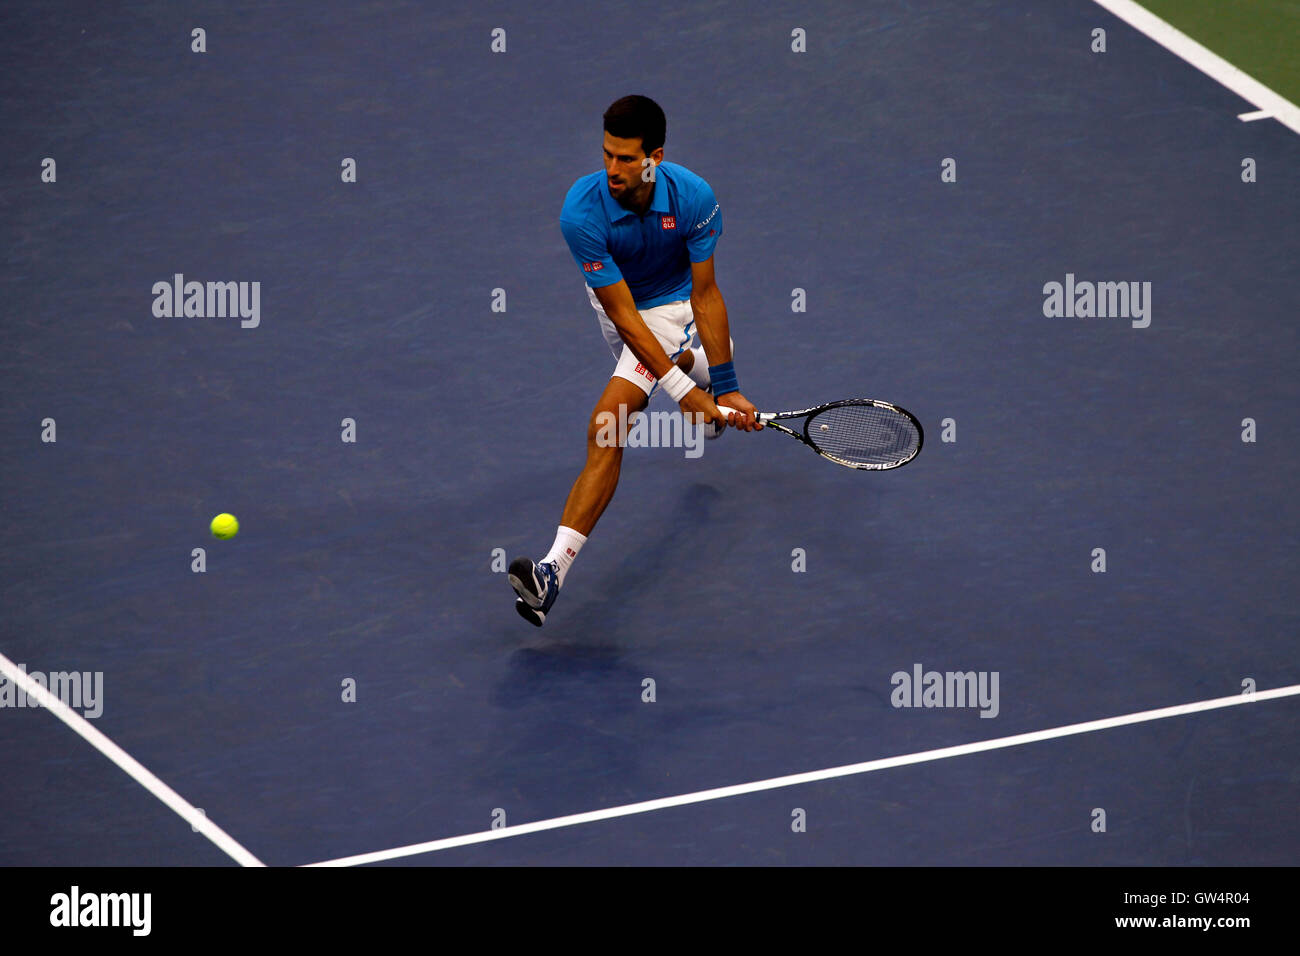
{"type": "Point", "coordinates": [772, 420]}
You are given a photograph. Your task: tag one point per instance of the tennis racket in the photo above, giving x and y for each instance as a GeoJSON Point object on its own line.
{"type": "Point", "coordinates": [856, 433]}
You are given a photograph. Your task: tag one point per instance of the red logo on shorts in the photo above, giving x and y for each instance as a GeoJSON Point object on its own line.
{"type": "Point", "coordinates": [642, 370]}
{"type": "Point", "coordinates": [592, 266]}
{"type": "Point", "coordinates": [669, 222]}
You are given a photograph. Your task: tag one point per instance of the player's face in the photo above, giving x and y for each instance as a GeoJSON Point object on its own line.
{"type": "Point", "coordinates": [624, 161]}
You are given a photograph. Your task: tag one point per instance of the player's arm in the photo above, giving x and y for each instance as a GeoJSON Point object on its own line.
{"type": "Point", "coordinates": [715, 335]}
{"type": "Point", "coordinates": [710, 313]}
{"type": "Point", "coordinates": [590, 249]}
{"type": "Point", "coordinates": [616, 299]}
{"type": "Point", "coordinates": [619, 305]}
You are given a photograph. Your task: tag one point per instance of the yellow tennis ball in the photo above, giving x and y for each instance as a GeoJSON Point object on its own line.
{"type": "Point", "coordinates": [225, 526]}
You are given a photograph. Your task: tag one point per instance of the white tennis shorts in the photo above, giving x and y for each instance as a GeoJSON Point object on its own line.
{"type": "Point", "coordinates": [672, 323]}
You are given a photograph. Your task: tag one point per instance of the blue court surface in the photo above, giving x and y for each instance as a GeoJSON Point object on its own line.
{"type": "Point", "coordinates": [371, 563]}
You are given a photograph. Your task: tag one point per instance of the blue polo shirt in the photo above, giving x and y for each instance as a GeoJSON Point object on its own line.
{"type": "Point", "coordinates": [652, 252]}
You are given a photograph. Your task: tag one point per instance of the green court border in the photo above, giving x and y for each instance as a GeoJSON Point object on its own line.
{"type": "Point", "coordinates": [1259, 37]}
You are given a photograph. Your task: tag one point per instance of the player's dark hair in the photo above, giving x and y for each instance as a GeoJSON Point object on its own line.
{"type": "Point", "coordinates": [635, 117]}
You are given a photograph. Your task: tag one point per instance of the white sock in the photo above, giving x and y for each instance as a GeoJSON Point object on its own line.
{"type": "Point", "coordinates": [567, 545]}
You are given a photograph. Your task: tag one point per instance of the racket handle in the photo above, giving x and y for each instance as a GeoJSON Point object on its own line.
{"type": "Point", "coordinates": [728, 410]}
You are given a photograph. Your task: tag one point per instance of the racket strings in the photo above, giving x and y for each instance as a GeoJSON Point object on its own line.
{"type": "Point", "coordinates": [864, 434]}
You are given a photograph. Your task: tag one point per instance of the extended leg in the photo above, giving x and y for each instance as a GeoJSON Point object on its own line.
{"type": "Point", "coordinates": [538, 583]}
{"type": "Point", "coordinates": [594, 488]}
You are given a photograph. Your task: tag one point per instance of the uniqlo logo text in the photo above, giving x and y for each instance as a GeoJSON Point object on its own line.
{"type": "Point", "coordinates": [642, 370]}
{"type": "Point", "coordinates": [669, 222]}
{"type": "Point", "coordinates": [592, 266]}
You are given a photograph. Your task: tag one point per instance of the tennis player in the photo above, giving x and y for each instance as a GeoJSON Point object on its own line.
{"type": "Point", "coordinates": [643, 232]}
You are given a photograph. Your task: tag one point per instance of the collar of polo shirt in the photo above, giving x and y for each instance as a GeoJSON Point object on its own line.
{"type": "Point", "coordinates": [658, 200]}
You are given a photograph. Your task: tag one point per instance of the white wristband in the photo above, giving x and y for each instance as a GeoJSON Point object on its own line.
{"type": "Point", "coordinates": [676, 383]}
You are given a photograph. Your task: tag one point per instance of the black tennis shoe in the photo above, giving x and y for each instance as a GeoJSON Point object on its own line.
{"type": "Point", "coordinates": [537, 586]}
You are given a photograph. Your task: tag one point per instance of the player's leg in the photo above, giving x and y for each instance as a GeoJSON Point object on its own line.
{"type": "Point", "coordinates": [538, 583]}
{"type": "Point", "coordinates": [696, 364]}
{"type": "Point", "coordinates": [626, 394]}
{"type": "Point", "coordinates": [606, 434]}
{"type": "Point", "coordinates": [680, 317]}
{"type": "Point", "coordinates": [674, 324]}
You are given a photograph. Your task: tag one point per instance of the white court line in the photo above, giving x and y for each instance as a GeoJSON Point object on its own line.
{"type": "Point", "coordinates": [1208, 62]}
{"type": "Point", "coordinates": [190, 814]}
{"type": "Point", "coordinates": [700, 796]}
{"type": "Point", "coordinates": [1257, 115]}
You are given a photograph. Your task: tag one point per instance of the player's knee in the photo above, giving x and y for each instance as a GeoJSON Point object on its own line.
{"type": "Point", "coordinates": [613, 416]}
{"type": "Point", "coordinates": [608, 426]}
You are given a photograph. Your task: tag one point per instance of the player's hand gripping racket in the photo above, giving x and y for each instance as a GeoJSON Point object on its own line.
{"type": "Point", "coordinates": [856, 433]}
